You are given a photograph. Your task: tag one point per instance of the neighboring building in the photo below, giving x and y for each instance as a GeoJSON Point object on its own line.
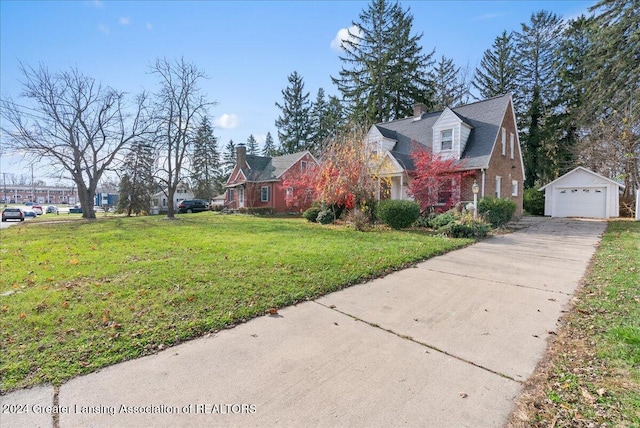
{"type": "Point", "coordinates": [255, 181]}
{"type": "Point", "coordinates": [582, 193]}
{"type": "Point", "coordinates": [159, 200]}
{"type": "Point", "coordinates": [13, 194]}
{"type": "Point", "coordinates": [483, 136]}
{"type": "Point", "coordinates": [108, 196]}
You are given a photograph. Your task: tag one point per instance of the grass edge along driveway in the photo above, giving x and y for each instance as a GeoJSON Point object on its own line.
{"type": "Point", "coordinates": [79, 296]}
{"type": "Point", "coordinates": [590, 375]}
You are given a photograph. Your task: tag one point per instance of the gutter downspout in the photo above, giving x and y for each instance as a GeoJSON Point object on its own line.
{"type": "Point", "coordinates": [482, 186]}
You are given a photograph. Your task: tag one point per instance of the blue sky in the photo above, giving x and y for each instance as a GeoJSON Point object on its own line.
{"type": "Point", "coordinates": [246, 48]}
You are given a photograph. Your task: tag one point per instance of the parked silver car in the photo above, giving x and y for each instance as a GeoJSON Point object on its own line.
{"type": "Point", "coordinates": [12, 213]}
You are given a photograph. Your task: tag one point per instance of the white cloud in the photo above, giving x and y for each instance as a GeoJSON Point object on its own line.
{"type": "Point", "coordinates": [124, 20]}
{"type": "Point", "coordinates": [227, 121]}
{"type": "Point", "coordinates": [149, 26]}
{"type": "Point", "coordinates": [103, 29]}
{"type": "Point", "coordinates": [490, 15]}
{"type": "Point", "coordinates": [98, 4]}
{"type": "Point", "coordinates": [343, 34]}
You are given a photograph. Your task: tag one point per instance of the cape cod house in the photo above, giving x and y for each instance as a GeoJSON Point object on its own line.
{"type": "Point", "coordinates": [482, 136]}
{"type": "Point", "coordinates": [256, 181]}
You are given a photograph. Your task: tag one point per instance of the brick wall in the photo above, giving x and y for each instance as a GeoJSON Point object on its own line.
{"type": "Point", "coordinates": [503, 166]}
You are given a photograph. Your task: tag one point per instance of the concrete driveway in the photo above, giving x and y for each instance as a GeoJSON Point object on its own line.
{"type": "Point", "coordinates": [445, 344]}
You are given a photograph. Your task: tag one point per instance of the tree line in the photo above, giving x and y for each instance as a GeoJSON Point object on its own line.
{"type": "Point", "coordinates": [575, 86]}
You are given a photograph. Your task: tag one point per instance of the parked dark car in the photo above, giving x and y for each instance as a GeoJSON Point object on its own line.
{"type": "Point", "coordinates": [29, 213]}
{"type": "Point", "coordinates": [12, 213]}
{"type": "Point", "coordinates": [76, 209]}
{"type": "Point", "coordinates": [193, 206]}
{"type": "Point", "coordinates": [52, 209]}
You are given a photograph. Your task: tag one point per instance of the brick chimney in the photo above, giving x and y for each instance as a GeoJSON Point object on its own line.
{"type": "Point", "coordinates": [418, 110]}
{"type": "Point", "coordinates": [241, 155]}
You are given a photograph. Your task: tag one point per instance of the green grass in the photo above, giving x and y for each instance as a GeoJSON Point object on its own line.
{"type": "Point", "coordinates": [595, 378]}
{"type": "Point", "coordinates": [81, 295]}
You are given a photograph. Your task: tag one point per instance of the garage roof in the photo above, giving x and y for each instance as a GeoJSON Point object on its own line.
{"type": "Point", "coordinates": [580, 168]}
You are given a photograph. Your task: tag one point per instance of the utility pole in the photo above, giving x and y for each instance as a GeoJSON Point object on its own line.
{"type": "Point", "coordinates": [4, 186]}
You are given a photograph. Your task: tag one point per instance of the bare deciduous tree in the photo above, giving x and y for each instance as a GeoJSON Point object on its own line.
{"type": "Point", "coordinates": [74, 123]}
{"type": "Point", "coordinates": [180, 107]}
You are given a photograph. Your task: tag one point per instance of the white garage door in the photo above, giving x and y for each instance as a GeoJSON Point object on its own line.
{"type": "Point", "coordinates": [581, 202]}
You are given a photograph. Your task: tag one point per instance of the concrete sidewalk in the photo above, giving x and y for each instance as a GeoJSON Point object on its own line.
{"type": "Point", "coordinates": [445, 344]}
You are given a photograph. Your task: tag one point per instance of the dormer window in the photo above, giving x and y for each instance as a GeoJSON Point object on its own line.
{"type": "Point", "coordinates": [446, 139]}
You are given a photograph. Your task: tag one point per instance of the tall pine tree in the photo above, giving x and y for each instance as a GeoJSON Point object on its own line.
{"type": "Point", "coordinates": [537, 46]}
{"type": "Point", "coordinates": [614, 89]}
{"type": "Point", "coordinates": [384, 71]}
{"type": "Point", "coordinates": [450, 88]}
{"type": "Point", "coordinates": [252, 145]}
{"type": "Point", "coordinates": [137, 183]}
{"type": "Point", "coordinates": [498, 70]}
{"type": "Point", "coordinates": [567, 120]}
{"type": "Point", "coordinates": [328, 120]}
{"type": "Point", "coordinates": [228, 159]}
{"type": "Point", "coordinates": [205, 163]}
{"type": "Point", "coordinates": [294, 124]}
{"type": "Point", "coordinates": [269, 148]}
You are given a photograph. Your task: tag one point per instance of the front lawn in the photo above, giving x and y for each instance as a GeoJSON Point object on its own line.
{"type": "Point", "coordinates": [78, 296]}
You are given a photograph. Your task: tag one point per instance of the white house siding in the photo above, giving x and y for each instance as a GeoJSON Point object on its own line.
{"type": "Point", "coordinates": [449, 120]}
{"type": "Point", "coordinates": [378, 141]}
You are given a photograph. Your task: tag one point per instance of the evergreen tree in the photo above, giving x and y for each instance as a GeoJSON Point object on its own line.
{"type": "Point", "coordinates": [384, 70]}
{"type": "Point", "coordinates": [448, 84]}
{"type": "Point", "coordinates": [328, 120]}
{"type": "Point", "coordinates": [568, 117]}
{"type": "Point", "coordinates": [498, 70]}
{"type": "Point", "coordinates": [205, 163]}
{"type": "Point", "coordinates": [137, 183]}
{"type": "Point", "coordinates": [228, 159]}
{"type": "Point", "coordinates": [252, 145]}
{"type": "Point", "coordinates": [294, 125]}
{"type": "Point", "coordinates": [269, 148]}
{"type": "Point", "coordinates": [537, 47]}
{"type": "Point", "coordinates": [614, 88]}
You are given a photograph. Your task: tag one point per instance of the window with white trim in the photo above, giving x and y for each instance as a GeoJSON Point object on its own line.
{"type": "Point", "coordinates": [504, 142]}
{"type": "Point", "coordinates": [514, 188]}
{"type": "Point", "coordinates": [264, 194]}
{"type": "Point", "coordinates": [498, 185]}
{"type": "Point", "coordinates": [303, 166]}
{"type": "Point", "coordinates": [446, 139]}
{"type": "Point", "coordinates": [512, 144]}
{"type": "Point", "coordinates": [230, 195]}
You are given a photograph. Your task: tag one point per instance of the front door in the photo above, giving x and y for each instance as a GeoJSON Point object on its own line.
{"type": "Point", "coordinates": [241, 197]}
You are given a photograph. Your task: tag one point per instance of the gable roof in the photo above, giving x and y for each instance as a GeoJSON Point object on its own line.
{"type": "Point", "coordinates": [580, 168]}
{"type": "Point", "coordinates": [264, 168]}
{"type": "Point", "coordinates": [484, 117]}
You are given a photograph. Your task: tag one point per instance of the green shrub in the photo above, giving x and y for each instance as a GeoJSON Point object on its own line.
{"type": "Point", "coordinates": [441, 220]}
{"type": "Point", "coordinates": [261, 211]}
{"type": "Point", "coordinates": [398, 214]}
{"type": "Point", "coordinates": [533, 201]}
{"type": "Point", "coordinates": [497, 211]}
{"type": "Point", "coordinates": [423, 221]}
{"type": "Point", "coordinates": [312, 213]}
{"type": "Point", "coordinates": [326, 216]}
{"type": "Point", "coordinates": [466, 228]}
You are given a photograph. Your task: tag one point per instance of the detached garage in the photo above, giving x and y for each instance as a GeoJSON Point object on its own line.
{"type": "Point", "coordinates": [582, 193]}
